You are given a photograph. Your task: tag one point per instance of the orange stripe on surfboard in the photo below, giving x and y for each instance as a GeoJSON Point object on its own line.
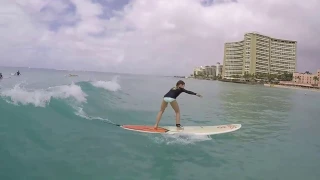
{"type": "Point", "coordinates": [145, 128]}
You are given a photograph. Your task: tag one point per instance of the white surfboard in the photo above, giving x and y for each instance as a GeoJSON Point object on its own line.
{"type": "Point", "coordinates": [196, 130]}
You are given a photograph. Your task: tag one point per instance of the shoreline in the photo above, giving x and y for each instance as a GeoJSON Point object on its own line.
{"type": "Point", "coordinates": [259, 83]}
{"type": "Point", "coordinates": [230, 81]}
{"type": "Point", "coordinates": [265, 84]}
{"type": "Point", "coordinates": [291, 87]}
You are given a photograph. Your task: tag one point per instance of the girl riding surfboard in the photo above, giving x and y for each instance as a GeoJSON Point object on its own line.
{"type": "Point", "coordinates": [170, 97]}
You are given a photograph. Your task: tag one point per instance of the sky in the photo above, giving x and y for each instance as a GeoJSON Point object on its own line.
{"type": "Point", "coordinates": [168, 37]}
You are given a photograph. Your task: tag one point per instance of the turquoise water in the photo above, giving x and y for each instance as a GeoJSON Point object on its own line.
{"type": "Point", "coordinates": [55, 127]}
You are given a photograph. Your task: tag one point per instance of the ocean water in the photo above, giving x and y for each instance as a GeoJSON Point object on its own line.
{"type": "Point", "coordinates": [57, 127]}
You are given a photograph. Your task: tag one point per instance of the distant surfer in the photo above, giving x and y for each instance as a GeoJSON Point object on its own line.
{"type": "Point", "coordinates": [170, 97]}
{"type": "Point", "coordinates": [18, 73]}
{"type": "Point", "coordinates": [1, 76]}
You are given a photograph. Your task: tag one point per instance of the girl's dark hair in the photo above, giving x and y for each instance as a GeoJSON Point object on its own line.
{"type": "Point", "coordinates": [180, 82]}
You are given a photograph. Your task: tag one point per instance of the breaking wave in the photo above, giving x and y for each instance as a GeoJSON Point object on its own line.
{"type": "Point", "coordinates": [112, 85]}
{"type": "Point", "coordinates": [41, 97]}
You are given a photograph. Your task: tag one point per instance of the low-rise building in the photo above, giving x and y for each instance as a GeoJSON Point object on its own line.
{"type": "Point", "coordinates": [306, 78]}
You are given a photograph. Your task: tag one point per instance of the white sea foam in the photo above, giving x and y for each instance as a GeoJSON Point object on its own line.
{"type": "Point", "coordinates": [183, 139]}
{"type": "Point", "coordinates": [41, 97]}
{"type": "Point", "coordinates": [112, 85]}
{"type": "Point", "coordinates": [82, 114]}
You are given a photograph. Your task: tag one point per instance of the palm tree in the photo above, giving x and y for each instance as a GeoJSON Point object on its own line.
{"type": "Point", "coordinates": [271, 77]}
{"type": "Point", "coordinates": [252, 77]}
{"type": "Point", "coordinates": [258, 75]}
{"type": "Point", "coordinates": [246, 76]}
{"type": "Point", "coordinates": [316, 79]}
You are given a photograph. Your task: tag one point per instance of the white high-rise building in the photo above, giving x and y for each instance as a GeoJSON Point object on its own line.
{"type": "Point", "coordinates": [218, 69]}
{"type": "Point", "coordinates": [198, 70]}
{"type": "Point", "coordinates": [261, 54]}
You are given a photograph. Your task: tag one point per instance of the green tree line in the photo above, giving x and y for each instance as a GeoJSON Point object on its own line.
{"type": "Point", "coordinates": [285, 76]}
{"type": "Point", "coordinates": [266, 76]}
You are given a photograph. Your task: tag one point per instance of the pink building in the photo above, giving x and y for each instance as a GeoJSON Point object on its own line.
{"type": "Point", "coordinates": [307, 79]}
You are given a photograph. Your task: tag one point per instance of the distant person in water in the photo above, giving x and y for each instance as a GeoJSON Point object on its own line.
{"type": "Point", "coordinates": [1, 76]}
{"type": "Point", "coordinates": [170, 97]}
{"type": "Point", "coordinates": [18, 73]}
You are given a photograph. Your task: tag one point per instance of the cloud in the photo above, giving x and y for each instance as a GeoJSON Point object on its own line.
{"type": "Point", "coordinates": [143, 36]}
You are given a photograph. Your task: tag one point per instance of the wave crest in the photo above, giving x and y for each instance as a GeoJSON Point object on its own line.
{"type": "Point", "coordinates": [41, 97]}
{"type": "Point", "coordinates": [112, 85]}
